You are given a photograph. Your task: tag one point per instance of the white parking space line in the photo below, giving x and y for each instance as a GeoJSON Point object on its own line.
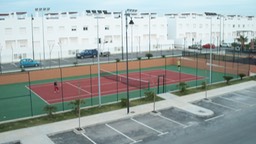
{"type": "Point", "coordinates": [133, 141]}
{"type": "Point", "coordinates": [213, 118]}
{"type": "Point", "coordinates": [89, 138]}
{"type": "Point", "coordinates": [237, 101]}
{"type": "Point", "coordinates": [224, 106]}
{"type": "Point", "coordinates": [160, 133]}
{"type": "Point", "coordinates": [184, 126]}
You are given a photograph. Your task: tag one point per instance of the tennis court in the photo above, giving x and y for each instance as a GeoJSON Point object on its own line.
{"type": "Point", "coordinates": [109, 84]}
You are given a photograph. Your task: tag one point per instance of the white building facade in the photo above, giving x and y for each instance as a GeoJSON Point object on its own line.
{"type": "Point", "coordinates": [192, 28]}
{"type": "Point", "coordinates": [59, 35]}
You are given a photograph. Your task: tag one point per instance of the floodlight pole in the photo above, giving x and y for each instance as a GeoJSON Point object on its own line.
{"type": "Point", "coordinates": [43, 10]}
{"type": "Point", "coordinates": [210, 73]}
{"type": "Point", "coordinates": [98, 58]}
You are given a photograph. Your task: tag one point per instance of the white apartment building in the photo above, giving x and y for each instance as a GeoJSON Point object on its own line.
{"type": "Point", "coordinates": [49, 35]}
{"type": "Point", "coordinates": [191, 28]}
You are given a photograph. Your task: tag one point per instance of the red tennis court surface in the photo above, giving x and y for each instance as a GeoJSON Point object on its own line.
{"type": "Point", "coordinates": [88, 87]}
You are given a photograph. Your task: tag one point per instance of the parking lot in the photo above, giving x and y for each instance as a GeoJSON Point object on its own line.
{"type": "Point", "coordinates": [146, 127]}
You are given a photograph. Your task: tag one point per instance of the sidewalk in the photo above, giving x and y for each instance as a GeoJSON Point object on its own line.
{"type": "Point", "coordinates": [38, 134]}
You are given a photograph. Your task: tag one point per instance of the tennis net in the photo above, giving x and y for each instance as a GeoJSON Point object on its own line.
{"type": "Point", "coordinates": [141, 84]}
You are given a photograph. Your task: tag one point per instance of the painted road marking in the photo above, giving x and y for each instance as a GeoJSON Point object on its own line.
{"type": "Point", "coordinates": [133, 141]}
{"type": "Point", "coordinates": [184, 126]}
{"type": "Point", "coordinates": [89, 138]}
{"type": "Point", "coordinates": [213, 118]}
{"type": "Point", "coordinates": [237, 101]}
{"type": "Point", "coordinates": [160, 133]}
{"type": "Point", "coordinates": [224, 106]}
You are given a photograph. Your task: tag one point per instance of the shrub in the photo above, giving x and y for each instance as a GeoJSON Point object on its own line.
{"type": "Point", "coordinates": [138, 58]}
{"type": "Point", "coordinates": [163, 56]}
{"type": "Point", "coordinates": [227, 78]}
{"type": "Point", "coordinates": [124, 102]}
{"type": "Point", "coordinates": [241, 75]}
{"type": "Point", "coordinates": [149, 55]}
{"type": "Point", "coordinates": [149, 95]}
{"type": "Point", "coordinates": [50, 109]}
{"type": "Point", "coordinates": [117, 60]}
{"type": "Point", "coordinates": [182, 87]}
{"type": "Point", "coordinates": [203, 85]}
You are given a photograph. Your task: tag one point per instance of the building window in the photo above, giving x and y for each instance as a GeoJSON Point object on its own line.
{"type": "Point", "coordinates": [50, 29]}
{"type": "Point", "coordinates": [73, 28]}
{"type": "Point", "coordinates": [234, 26]}
{"type": "Point", "coordinates": [22, 30]}
{"type": "Point", "coordinates": [106, 27]}
{"type": "Point", "coordinates": [85, 28]}
{"type": "Point", "coordinates": [8, 31]}
{"type": "Point", "coordinates": [61, 28]}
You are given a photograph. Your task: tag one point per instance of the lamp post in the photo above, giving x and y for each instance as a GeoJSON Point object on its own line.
{"type": "Point", "coordinates": [42, 10]}
{"type": "Point", "coordinates": [32, 33]}
{"type": "Point", "coordinates": [60, 45]}
{"type": "Point", "coordinates": [128, 14]}
{"type": "Point", "coordinates": [210, 73]}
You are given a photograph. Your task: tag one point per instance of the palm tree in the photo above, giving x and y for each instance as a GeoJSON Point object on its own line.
{"type": "Point", "coordinates": [242, 40]}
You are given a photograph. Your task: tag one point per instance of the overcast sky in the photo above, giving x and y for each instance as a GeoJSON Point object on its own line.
{"type": "Point", "coordinates": [238, 7]}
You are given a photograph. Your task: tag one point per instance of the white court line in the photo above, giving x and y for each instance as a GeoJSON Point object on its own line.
{"type": "Point", "coordinates": [213, 118]}
{"type": "Point", "coordinates": [89, 138]}
{"type": "Point", "coordinates": [184, 126]}
{"type": "Point", "coordinates": [37, 95]}
{"type": "Point", "coordinates": [77, 87]}
{"type": "Point", "coordinates": [224, 106]}
{"type": "Point", "coordinates": [160, 133]}
{"type": "Point", "coordinates": [133, 141]}
{"type": "Point", "coordinates": [236, 101]}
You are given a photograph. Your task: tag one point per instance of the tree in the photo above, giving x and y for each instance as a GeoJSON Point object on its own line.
{"type": "Point", "coordinates": [241, 75]}
{"type": "Point", "coordinates": [76, 105]}
{"type": "Point", "coordinates": [149, 55]}
{"type": "Point", "coordinates": [228, 78]}
{"type": "Point", "coordinates": [242, 40]}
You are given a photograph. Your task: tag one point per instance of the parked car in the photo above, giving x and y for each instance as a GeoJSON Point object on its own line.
{"type": "Point", "coordinates": [195, 46]}
{"type": "Point", "coordinates": [225, 45]}
{"type": "Point", "coordinates": [105, 54]}
{"type": "Point", "coordinates": [208, 46]}
{"type": "Point", "coordinates": [87, 53]}
{"type": "Point", "coordinates": [28, 62]}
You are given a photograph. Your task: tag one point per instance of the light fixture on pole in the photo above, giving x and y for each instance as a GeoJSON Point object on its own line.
{"type": "Point", "coordinates": [128, 13]}
{"type": "Point", "coordinates": [43, 10]}
{"type": "Point", "coordinates": [210, 73]}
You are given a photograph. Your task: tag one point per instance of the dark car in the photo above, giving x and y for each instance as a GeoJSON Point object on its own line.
{"type": "Point", "coordinates": [28, 62]}
{"type": "Point", "coordinates": [208, 46]}
{"type": "Point", "coordinates": [89, 53]}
